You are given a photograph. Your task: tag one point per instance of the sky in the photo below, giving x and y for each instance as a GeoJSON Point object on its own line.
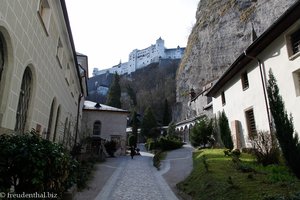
{"type": "Point", "coordinates": [108, 30]}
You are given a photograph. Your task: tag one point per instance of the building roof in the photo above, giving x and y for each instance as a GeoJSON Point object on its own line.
{"type": "Point", "coordinates": [93, 106]}
{"type": "Point", "coordinates": [275, 30]}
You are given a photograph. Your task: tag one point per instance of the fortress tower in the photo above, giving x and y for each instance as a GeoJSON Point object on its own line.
{"type": "Point", "coordinates": [141, 58]}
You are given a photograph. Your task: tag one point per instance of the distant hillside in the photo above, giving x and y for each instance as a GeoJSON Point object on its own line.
{"type": "Point", "coordinates": [98, 87]}
{"type": "Point", "coordinates": [153, 84]}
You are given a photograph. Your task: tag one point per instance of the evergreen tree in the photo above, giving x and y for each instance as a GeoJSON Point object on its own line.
{"type": "Point", "coordinates": [172, 129]}
{"type": "Point", "coordinates": [166, 116]}
{"type": "Point", "coordinates": [287, 139]}
{"type": "Point", "coordinates": [135, 124]}
{"type": "Point", "coordinates": [225, 131]}
{"type": "Point", "coordinates": [201, 133]}
{"type": "Point", "coordinates": [149, 124]}
{"type": "Point", "coordinates": [114, 94]}
{"type": "Point", "coordinates": [132, 95]}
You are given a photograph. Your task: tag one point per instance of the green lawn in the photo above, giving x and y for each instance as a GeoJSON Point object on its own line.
{"type": "Point", "coordinates": [225, 179]}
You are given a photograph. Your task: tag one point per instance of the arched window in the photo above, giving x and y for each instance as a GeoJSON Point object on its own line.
{"type": "Point", "coordinates": [50, 121]}
{"type": "Point", "coordinates": [2, 51]}
{"type": "Point", "coordinates": [97, 128]}
{"type": "Point", "coordinates": [56, 123]}
{"type": "Point", "coordinates": [65, 131]}
{"type": "Point", "coordinates": [24, 99]}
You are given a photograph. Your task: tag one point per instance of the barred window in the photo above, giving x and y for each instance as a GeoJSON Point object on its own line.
{"type": "Point", "coordinates": [296, 76]}
{"type": "Point", "coordinates": [245, 81]}
{"type": "Point", "coordinates": [24, 99]}
{"type": "Point", "coordinates": [295, 41]}
{"type": "Point", "coordinates": [250, 120]}
{"type": "Point", "coordinates": [223, 98]}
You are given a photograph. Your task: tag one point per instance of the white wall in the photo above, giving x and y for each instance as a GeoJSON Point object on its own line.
{"type": "Point", "coordinates": [237, 101]}
{"type": "Point", "coordinates": [112, 123]}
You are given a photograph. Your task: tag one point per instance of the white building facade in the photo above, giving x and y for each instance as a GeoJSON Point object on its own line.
{"type": "Point", "coordinates": [40, 82]}
{"type": "Point", "coordinates": [105, 122]}
{"type": "Point", "coordinates": [141, 58]}
{"type": "Point", "coordinates": [241, 91]}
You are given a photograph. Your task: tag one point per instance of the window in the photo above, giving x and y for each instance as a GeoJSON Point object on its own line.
{"type": "Point", "coordinates": [2, 51]}
{"type": "Point", "coordinates": [65, 131]}
{"type": "Point", "coordinates": [24, 98]}
{"type": "Point", "coordinates": [250, 121]}
{"type": "Point", "coordinates": [45, 14]}
{"type": "Point", "coordinates": [97, 128]}
{"type": "Point", "coordinates": [67, 74]}
{"type": "Point", "coordinates": [56, 123]}
{"type": "Point", "coordinates": [295, 41]}
{"type": "Point", "coordinates": [50, 121]}
{"type": "Point", "coordinates": [245, 82]}
{"type": "Point", "coordinates": [223, 98]}
{"type": "Point", "coordinates": [296, 77]}
{"type": "Point", "coordinates": [59, 53]}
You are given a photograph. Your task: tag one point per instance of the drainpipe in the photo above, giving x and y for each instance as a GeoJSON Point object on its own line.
{"type": "Point", "coordinates": [77, 118]}
{"type": "Point", "coordinates": [78, 110]}
{"type": "Point", "coordinates": [264, 84]}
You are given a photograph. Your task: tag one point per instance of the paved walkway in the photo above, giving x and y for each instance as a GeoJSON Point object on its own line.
{"type": "Point", "coordinates": [177, 165]}
{"type": "Point", "coordinates": [123, 178]}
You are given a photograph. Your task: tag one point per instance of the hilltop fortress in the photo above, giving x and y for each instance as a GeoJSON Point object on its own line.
{"type": "Point", "coordinates": [141, 58]}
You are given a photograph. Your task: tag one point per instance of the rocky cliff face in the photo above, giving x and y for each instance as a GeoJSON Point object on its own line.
{"type": "Point", "coordinates": [223, 30]}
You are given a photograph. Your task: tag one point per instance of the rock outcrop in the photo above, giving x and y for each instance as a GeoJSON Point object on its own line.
{"type": "Point", "coordinates": [223, 30]}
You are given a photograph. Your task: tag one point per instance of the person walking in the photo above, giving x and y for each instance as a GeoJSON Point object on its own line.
{"type": "Point", "coordinates": [132, 151]}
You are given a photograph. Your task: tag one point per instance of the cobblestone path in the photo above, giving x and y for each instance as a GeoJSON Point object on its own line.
{"type": "Point", "coordinates": [136, 179]}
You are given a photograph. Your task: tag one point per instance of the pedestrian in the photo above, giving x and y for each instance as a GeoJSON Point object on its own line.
{"type": "Point", "coordinates": [132, 151]}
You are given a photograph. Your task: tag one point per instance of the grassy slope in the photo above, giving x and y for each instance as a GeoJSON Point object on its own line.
{"type": "Point", "coordinates": [216, 184]}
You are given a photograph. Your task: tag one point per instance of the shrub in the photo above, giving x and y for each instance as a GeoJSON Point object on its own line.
{"type": "Point", "coordinates": [169, 143]}
{"type": "Point", "coordinates": [201, 133]}
{"type": "Point", "coordinates": [265, 147]}
{"type": "Point", "coordinates": [111, 147]}
{"type": "Point", "coordinates": [151, 144]}
{"type": "Point", "coordinates": [225, 131]}
{"type": "Point", "coordinates": [236, 152]}
{"type": "Point", "coordinates": [31, 164]}
{"type": "Point", "coordinates": [132, 140]}
{"type": "Point", "coordinates": [83, 173]}
{"type": "Point", "coordinates": [156, 159]}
